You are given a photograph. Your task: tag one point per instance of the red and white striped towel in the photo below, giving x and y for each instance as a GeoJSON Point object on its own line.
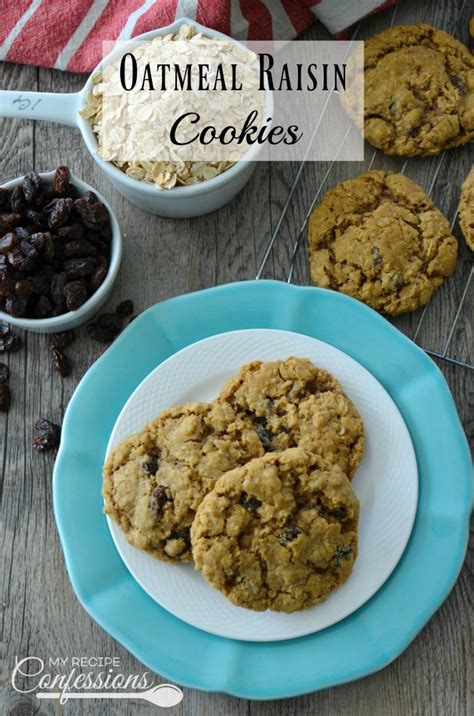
{"type": "Point", "coordinates": [68, 34]}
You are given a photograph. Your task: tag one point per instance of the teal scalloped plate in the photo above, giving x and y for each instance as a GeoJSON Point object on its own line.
{"type": "Point", "coordinates": [362, 643]}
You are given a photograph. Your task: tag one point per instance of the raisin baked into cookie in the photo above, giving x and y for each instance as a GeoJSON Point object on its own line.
{"type": "Point", "coordinates": [154, 481]}
{"type": "Point", "coordinates": [466, 209]}
{"type": "Point", "coordinates": [279, 533]}
{"type": "Point", "coordinates": [292, 403]}
{"type": "Point", "coordinates": [418, 91]}
{"type": "Point", "coordinates": [380, 239]}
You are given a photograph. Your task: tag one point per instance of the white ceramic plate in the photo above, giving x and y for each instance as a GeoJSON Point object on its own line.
{"type": "Point", "coordinates": [386, 483]}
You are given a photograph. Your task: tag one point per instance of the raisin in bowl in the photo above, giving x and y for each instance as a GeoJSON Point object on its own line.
{"type": "Point", "coordinates": [60, 251]}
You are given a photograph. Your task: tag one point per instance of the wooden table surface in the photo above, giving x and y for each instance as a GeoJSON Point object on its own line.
{"type": "Point", "coordinates": [40, 615]}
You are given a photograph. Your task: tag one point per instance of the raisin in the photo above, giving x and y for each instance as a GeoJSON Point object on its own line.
{"type": "Point", "coordinates": [40, 284]}
{"type": "Point", "coordinates": [97, 278]}
{"type": "Point", "coordinates": [7, 285]}
{"type": "Point", "coordinates": [6, 342]}
{"type": "Point", "coordinates": [47, 435]}
{"type": "Point", "coordinates": [124, 309]}
{"type": "Point", "coordinates": [17, 306]}
{"type": "Point", "coordinates": [11, 220]}
{"type": "Point", "coordinates": [28, 250]}
{"type": "Point", "coordinates": [17, 201]}
{"type": "Point", "coordinates": [4, 373]}
{"type": "Point", "coordinates": [250, 503]}
{"type": "Point", "coordinates": [61, 180]}
{"type": "Point", "coordinates": [458, 82]}
{"type": "Point", "coordinates": [77, 248]}
{"type": "Point", "coordinates": [24, 287]}
{"type": "Point", "coordinates": [60, 362]}
{"type": "Point", "coordinates": [58, 282]}
{"type": "Point", "coordinates": [17, 259]}
{"type": "Point", "coordinates": [5, 398]}
{"type": "Point", "coordinates": [75, 294]}
{"type": "Point", "coordinates": [340, 513]}
{"type": "Point", "coordinates": [157, 499]}
{"type": "Point", "coordinates": [72, 232]}
{"type": "Point", "coordinates": [4, 197]}
{"type": "Point", "coordinates": [265, 437]}
{"type": "Point", "coordinates": [43, 307]}
{"type": "Point", "coordinates": [343, 552]}
{"type": "Point", "coordinates": [61, 340]}
{"type": "Point", "coordinates": [36, 219]}
{"type": "Point", "coordinates": [8, 243]}
{"type": "Point", "coordinates": [22, 233]}
{"type": "Point", "coordinates": [105, 328]}
{"type": "Point", "coordinates": [290, 534]}
{"type": "Point", "coordinates": [79, 268]}
{"type": "Point", "coordinates": [31, 186]}
{"type": "Point", "coordinates": [39, 238]}
{"type": "Point", "coordinates": [376, 257]}
{"type": "Point", "coordinates": [59, 211]}
{"type": "Point", "coordinates": [92, 212]}
{"type": "Point", "coordinates": [151, 466]}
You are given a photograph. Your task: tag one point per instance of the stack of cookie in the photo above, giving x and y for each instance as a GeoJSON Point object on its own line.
{"type": "Point", "coordinates": [254, 486]}
{"type": "Point", "coordinates": [378, 237]}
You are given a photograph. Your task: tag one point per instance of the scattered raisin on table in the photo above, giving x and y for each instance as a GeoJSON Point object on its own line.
{"type": "Point", "coordinates": [5, 397]}
{"type": "Point", "coordinates": [4, 373]}
{"type": "Point", "coordinates": [54, 246]}
{"type": "Point", "coordinates": [47, 435]}
{"type": "Point", "coordinates": [124, 309]}
{"type": "Point", "coordinates": [61, 340]}
{"type": "Point", "coordinates": [105, 328]}
{"type": "Point", "coordinates": [60, 362]}
{"type": "Point", "coordinates": [9, 343]}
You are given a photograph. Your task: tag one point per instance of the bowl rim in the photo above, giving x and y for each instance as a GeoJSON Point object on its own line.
{"type": "Point", "coordinates": [115, 259]}
{"type": "Point", "coordinates": [176, 192]}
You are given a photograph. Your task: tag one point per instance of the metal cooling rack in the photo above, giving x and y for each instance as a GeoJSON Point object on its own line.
{"type": "Point", "coordinates": [443, 356]}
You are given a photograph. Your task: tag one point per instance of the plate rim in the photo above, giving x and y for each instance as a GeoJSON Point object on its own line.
{"type": "Point", "coordinates": [267, 289]}
{"type": "Point", "coordinates": [115, 530]}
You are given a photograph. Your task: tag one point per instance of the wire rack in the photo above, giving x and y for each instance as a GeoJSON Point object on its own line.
{"type": "Point", "coordinates": [447, 346]}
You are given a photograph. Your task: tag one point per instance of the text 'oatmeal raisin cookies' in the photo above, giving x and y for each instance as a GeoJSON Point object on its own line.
{"type": "Point", "coordinates": [279, 533]}
{"type": "Point", "coordinates": [293, 403]}
{"type": "Point", "coordinates": [380, 239]}
{"type": "Point", "coordinates": [466, 209]}
{"type": "Point", "coordinates": [418, 91]}
{"type": "Point", "coordinates": [154, 481]}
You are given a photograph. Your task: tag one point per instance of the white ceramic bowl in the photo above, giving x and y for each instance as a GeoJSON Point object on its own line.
{"type": "Point", "coordinates": [179, 202]}
{"type": "Point", "coordinates": [72, 319]}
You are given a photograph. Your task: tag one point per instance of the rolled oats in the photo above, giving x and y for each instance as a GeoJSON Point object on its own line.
{"type": "Point", "coordinates": [135, 137]}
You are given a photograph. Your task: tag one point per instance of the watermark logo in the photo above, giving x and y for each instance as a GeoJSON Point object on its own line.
{"type": "Point", "coordinates": [66, 678]}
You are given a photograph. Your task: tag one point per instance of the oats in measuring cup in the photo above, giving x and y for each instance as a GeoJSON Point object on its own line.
{"type": "Point", "coordinates": [216, 80]}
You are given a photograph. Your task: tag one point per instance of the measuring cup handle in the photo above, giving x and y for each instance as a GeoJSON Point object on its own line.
{"type": "Point", "coordinates": [50, 106]}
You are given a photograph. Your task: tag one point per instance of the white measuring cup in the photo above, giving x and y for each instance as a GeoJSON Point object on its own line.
{"type": "Point", "coordinates": [178, 202]}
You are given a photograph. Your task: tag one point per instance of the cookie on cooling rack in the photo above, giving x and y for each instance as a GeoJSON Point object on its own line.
{"type": "Point", "coordinates": [418, 91]}
{"type": "Point", "coordinates": [380, 239]}
{"type": "Point", "coordinates": [466, 209]}
{"type": "Point", "coordinates": [279, 533]}
{"type": "Point", "coordinates": [154, 481]}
